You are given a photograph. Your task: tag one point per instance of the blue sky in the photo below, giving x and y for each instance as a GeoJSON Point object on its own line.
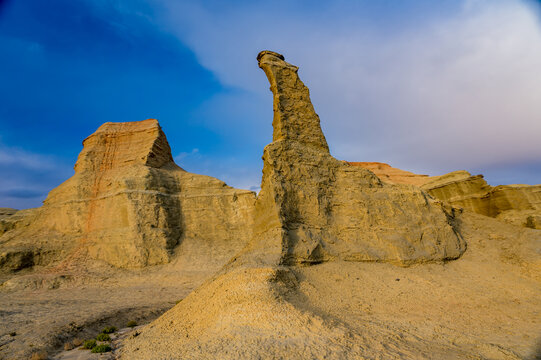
{"type": "Point", "coordinates": [426, 86]}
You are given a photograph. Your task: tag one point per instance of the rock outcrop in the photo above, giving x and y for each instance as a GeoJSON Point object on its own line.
{"type": "Point", "coordinates": [130, 205]}
{"type": "Point", "coordinates": [313, 207]}
{"type": "Point", "coordinates": [515, 204]}
{"type": "Point", "coordinates": [6, 219]}
{"type": "Point", "coordinates": [5, 212]}
{"type": "Point", "coordinates": [393, 175]}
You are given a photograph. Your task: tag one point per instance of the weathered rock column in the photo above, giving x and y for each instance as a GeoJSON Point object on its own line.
{"type": "Point", "coordinates": [315, 208]}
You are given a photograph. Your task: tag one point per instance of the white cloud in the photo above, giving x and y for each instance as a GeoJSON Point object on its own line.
{"type": "Point", "coordinates": [194, 153]}
{"type": "Point", "coordinates": [27, 177]}
{"type": "Point", "coordinates": [458, 90]}
{"type": "Point", "coordinates": [11, 156]}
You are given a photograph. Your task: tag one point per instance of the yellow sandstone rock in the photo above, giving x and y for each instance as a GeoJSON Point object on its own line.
{"type": "Point", "coordinates": [130, 205]}
{"type": "Point", "coordinates": [314, 208]}
{"type": "Point", "coordinates": [391, 174]}
{"type": "Point", "coordinates": [515, 204]}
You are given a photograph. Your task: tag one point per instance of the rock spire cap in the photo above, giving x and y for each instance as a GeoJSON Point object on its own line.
{"type": "Point", "coordinates": [268, 52]}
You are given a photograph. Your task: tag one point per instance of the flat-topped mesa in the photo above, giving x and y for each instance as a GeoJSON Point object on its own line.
{"type": "Point", "coordinates": [294, 115]}
{"type": "Point", "coordinates": [116, 145]}
{"type": "Point", "coordinates": [129, 205]}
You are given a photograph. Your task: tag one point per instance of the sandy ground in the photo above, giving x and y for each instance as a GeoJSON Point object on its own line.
{"type": "Point", "coordinates": [487, 303]}
{"type": "Point", "coordinates": [80, 353]}
{"type": "Point", "coordinates": [43, 309]}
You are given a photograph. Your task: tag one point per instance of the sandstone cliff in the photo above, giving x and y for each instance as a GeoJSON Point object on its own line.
{"type": "Point", "coordinates": [128, 204]}
{"type": "Point", "coordinates": [314, 208]}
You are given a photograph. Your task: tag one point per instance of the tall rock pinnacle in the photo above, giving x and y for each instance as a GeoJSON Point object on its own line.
{"type": "Point", "coordinates": [313, 207]}
{"type": "Point", "coordinates": [294, 116]}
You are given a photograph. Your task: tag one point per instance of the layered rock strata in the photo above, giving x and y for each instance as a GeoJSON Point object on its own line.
{"type": "Point", "coordinates": [391, 174]}
{"type": "Point", "coordinates": [515, 204]}
{"type": "Point", "coordinates": [130, 205]}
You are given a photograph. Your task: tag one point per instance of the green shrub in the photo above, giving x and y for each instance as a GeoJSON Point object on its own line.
{"type": "Point", "coordinates": [109, 330]}
{"type": "Point", "coordinates": [101, 348]}
{"type": "Point", "coordinates": [103, 337]}
{"type": "Point", "coordinates": [131, 323]}
{"type": "Point", "coordinates": [89, 344]}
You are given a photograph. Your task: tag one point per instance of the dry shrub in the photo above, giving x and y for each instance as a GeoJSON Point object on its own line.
{"type": "Point", "coordinates": [39, 355]}
{"type": "Point", "coordinates": [68, 346]}
{"type": "Point", "coordinates": [77, 342]}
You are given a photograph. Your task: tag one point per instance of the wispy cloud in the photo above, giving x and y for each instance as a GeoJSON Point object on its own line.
{"type": "Point", "coordinates": [27, 177]}
{"type": "Point", "coordinates": [12, 156]}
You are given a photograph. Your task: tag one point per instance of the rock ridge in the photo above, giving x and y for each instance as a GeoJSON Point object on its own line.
{"type": "Point", "coordinates": [514, 204]}
{"type": "Point", "coordinates": [312, 208]}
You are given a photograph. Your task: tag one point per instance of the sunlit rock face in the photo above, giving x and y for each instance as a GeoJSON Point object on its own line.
{"type": "Point", "coordinates": [392, 175]}
{"type": "Point", "coordinates": [130, 204]}
{"type": "Point", "coordinates": [515, 204]}
{"type": "Point", "coordinates": [313, 207]}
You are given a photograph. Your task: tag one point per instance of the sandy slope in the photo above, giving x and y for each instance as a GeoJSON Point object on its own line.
{"type": "Point", "coordinates": [485, 305]}
{"type": "Point", "coordinates": [50, 306]}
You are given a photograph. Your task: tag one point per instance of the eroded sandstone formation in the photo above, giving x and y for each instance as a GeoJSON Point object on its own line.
{"type": "Point", "coordinates": [391, 174]}
{"type": "Point", "coordinates": [514, 204]}
{"type": "Point", "coordinates": [128, 204]}
{"type": "Point", "coordinates": [313, 207]}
